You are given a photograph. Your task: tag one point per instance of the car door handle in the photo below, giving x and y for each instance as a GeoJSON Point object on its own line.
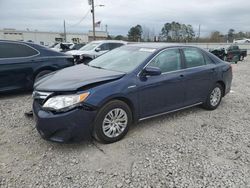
{"type": "Point", "coordinates": [182, 76]}
{"type": "Point", "coordinates": [212, 70]}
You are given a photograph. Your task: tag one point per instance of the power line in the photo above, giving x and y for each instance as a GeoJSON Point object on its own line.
{"type": "Point", "coordinates": [80, 21]}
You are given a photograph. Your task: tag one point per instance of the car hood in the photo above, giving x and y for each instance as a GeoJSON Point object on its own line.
{"type": "Point", "coordinates": [56, 49]}
{"type": "Point", "coordinates": [73, 78]}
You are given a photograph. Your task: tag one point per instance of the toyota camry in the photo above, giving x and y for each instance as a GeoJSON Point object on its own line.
{"type": "Point", "coordinates": [129, 84]}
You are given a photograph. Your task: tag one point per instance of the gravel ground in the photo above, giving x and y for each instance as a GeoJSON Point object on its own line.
{"type": "Point", "coordinates": [191, 148]}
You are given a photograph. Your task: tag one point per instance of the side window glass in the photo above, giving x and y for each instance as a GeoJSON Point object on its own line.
{"type": "Point", "coordinates": [115, 45]}
{"type": "Point", "coordinates": [12, 50]}
{"type": "Point", "coordinates": [104, 47]}
{"type": "Point", "coordinates": [194, 57]}
{"type": "Point", "coordinates": [167, 61]}
{"type": "Point", "coordinates": [208, 60]}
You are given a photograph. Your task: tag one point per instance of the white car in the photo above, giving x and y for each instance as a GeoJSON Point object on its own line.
{"type": "Point", "coordinates": [242, 41]}
{"type": "Point", "coordinates": [94, 49]}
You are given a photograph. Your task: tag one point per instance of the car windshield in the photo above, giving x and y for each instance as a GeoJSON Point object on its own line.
{"type": "Point", "coordinates": [53, 45]}
{"type": "Point", "coordinates": [89, 47]}
{"type": "Point", "coordinates": [124, 59]}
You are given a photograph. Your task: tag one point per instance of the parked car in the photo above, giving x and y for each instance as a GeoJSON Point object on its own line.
{"type": "Point", "coordinates": [22, 63]}
{"type": "Point", "coordinates": [94, 49]}
{"type": "Point", "coordinates": [231, 54]}
{"type": "Point", "coordinates": [242, 41]}
{"type": "Point", "coordinates": [63, 46]}
{"type": "Point", "coordinates": [126, 85]}
{"type": "Point", "coordinates": [76, 46]}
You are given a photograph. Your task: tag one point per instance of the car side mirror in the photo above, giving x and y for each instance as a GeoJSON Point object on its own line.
{"type": "Point", "coordinates": [98, 49]}
{"type": "Point", "coordinates": [151, 71]}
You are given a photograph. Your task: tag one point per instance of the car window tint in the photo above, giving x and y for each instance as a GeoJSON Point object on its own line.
{"type": "Point", "coordinates": [167, 61]}
{"type": "Point", "coordinates": [208, 60]}
{"type": "Point", "coordinates": [114, 45]}
{"type": "Point", "coordinates": [194, 57]}
{"type": "Point", "coordinates": [104, 47]}
{"type": "Point", "coordinates": [12, 50]}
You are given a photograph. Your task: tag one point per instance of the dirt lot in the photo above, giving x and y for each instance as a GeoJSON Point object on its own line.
{"type": "Point", "coordinates": [191, 148]}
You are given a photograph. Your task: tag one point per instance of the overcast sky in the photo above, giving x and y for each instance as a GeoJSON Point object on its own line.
{"type": "Point", "coordinates": [120, 15]}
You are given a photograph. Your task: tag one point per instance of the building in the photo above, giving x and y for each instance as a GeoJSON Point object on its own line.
{"type": "Point", "coordinates": [48, 38]}
{"type": "Point", "coordinates": [99, 35]}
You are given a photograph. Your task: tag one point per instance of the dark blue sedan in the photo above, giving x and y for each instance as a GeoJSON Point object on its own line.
{"type": "Point", "coordinates": [21, 63]}
{"type": "Point", "coordinates": [127, 85]}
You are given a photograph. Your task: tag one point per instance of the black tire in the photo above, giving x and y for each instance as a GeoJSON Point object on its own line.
{"type": "Point", "coordinates": [98, 131]}
{"type": "Point", "coordinates": [208, 104]}
{"type": "Point", "coordinates": [41, 74]}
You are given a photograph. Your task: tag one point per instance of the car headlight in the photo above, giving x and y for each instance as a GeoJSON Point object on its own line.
{"type": "Point", "coordinates": [65, 102]}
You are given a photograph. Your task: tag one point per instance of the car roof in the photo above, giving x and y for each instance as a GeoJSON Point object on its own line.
{"type": "Point", "coordinates": [158, 45]}
{"type": "Point", "coordinates": [16, 41]}
{"type": "Point", "coordinates": [108, 41]}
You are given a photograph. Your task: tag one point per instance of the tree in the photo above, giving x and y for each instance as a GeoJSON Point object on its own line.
{"type": "Point", "coordinates": [120, 37]}
{"type": "Point", "coordinates": [187, 33]}
{"type": "Point", "coordinates": [135, 33]}
{"type": "Point", "coordinates": [216, 36]}
{"type": "Point", "coordinates": [165, 32]}
{"type": "Point", "coordinates": [177, 32]}
{"type": "Point", "coordinates": [231, 35]}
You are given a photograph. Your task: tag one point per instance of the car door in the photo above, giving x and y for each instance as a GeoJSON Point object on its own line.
{"type": "Point", "coordinates": [15, 65]}
{"type": "Point", "coordinates": [200, 74]}
{"type": "Point", "coordinates": [165, 92]}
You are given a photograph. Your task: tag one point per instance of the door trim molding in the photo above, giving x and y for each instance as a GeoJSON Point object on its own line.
{"type": "Point", "coordinates": [168, 112]}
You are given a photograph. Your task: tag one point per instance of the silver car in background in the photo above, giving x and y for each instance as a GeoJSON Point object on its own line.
{"type": "Point", "coordinates": [94, 49]}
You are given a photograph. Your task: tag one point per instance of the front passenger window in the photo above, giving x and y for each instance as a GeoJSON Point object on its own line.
{"type": "Point", "coordinates": [167, 61]}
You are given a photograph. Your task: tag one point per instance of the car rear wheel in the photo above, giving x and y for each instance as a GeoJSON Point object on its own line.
{"type": "Point", "coordinates": [41, 74]}
{"type": "Point", "coordinates": [214, 98]}
{"type": "Point", "coordinates": [112, 122]}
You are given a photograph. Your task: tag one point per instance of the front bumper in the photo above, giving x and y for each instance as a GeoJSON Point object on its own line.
{"type": "Point", "coordinates": [74, 125]}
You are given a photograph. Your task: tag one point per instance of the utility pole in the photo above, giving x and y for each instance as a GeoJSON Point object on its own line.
{"type": "Point", "coordinates": [106, 29]}
{"type": "Point", "coordinates": [93, 17]}
{"type": "Point", "coordinates": [199, 34]}
{"type": "Point", "coordinates": [64, 31]}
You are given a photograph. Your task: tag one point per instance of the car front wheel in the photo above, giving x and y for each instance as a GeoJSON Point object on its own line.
{"type": "Point", "coordinates": [112, 122]}
{"type": "Point", "coordinates": [214, 98]}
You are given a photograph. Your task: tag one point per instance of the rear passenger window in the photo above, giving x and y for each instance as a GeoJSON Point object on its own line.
{"type": "Point", "coordinates": [114, 45]}
{"type": "Point", "coordinates": [12, 50]}
{"type": "Point", "coordinates": [167, 61]}
{"type": "Point", "coordinates": [208, 60]}
{"type": "Point", "coordinates": [194, 57]}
